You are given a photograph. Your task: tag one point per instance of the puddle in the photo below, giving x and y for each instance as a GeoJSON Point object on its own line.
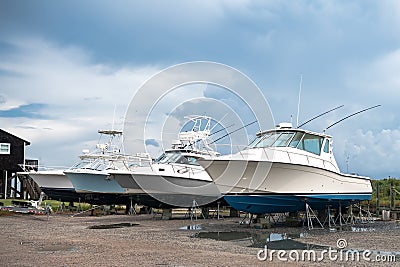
{"type": "Point", "coordinates": [191, 227]}
{"type": "Point", "coordinates": [277, 241]}
{"type": "Point", "coordinates": [113, 226]}
{"type": "Point", "coordinates": [54, 248]}
{"type": "Point", "coordinates": [362, 229]}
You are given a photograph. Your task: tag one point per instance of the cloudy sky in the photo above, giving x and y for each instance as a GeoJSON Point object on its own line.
{"type": "Point", "coordinates": [66, 67]}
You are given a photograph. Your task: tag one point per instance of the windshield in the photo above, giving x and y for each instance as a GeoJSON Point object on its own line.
{"type": "Point", "coordinates": [272, 139]}
{"type": "Point", "coordinates": [176, 157]}
{"type": "Point", "coordinates": [168, 157]}
{"type": "Point", "coordinates": [304, 141]}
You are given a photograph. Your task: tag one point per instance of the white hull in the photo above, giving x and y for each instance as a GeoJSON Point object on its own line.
{"type": "Point", "coordinates": [51, 179]}
{"type": "Point", "coordinates": [241, 176]}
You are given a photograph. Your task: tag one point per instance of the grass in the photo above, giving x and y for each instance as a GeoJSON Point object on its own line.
{"type": "Point", "coordinates": [54, 204]}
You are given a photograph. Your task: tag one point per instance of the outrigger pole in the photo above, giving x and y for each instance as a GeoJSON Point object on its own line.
{"type": "Point", "coordinates": [316, 117]}
{"type": "Point", "coordinates": [333, 124]}
{"type": "Point", "coordinates": [232, 132]}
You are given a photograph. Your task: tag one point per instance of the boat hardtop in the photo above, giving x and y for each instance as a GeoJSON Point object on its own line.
{"type": "Point", "coordinates": [285, 136]}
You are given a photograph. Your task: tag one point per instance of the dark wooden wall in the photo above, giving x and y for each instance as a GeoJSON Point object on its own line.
{"type": "Point", "coordinates": [10, 162]}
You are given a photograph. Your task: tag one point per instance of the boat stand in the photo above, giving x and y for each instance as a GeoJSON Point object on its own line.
{"type": "Point", "coordinates": [364, 216]}
{"type": "Point", "coordinates": [91, 209]}
{"type": "Point", "coordinates": [329, 218]}
{"type": "Point", "coordinates": [275, 218]}
{"type": "Point", "coordinates": [193, 211]}
{"type": "Point", "coordinates": [250, 216]}
{"type": "Point", "coordinates": [60, 207]}
{"type": "Point", "coordinates": [310, 215]}
{"type": "Point", "coordinates": [217, 211]}
{"type": "Point", "coordinates": [131, 210]}
{"type": "Point", "coordinates": [340, 217]}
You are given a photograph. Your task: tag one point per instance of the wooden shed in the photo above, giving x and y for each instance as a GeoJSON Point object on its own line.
{"type": "Point", "coordinates": [12, 155]}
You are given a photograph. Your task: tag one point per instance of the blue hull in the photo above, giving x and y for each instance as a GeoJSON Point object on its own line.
{"type": "Point", "coordinates": [279, 203]}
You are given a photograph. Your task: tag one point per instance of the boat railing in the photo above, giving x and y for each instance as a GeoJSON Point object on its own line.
{"type": "Point", "coordinates": [112, 161]}
{"type": "Point", "coordinates": [34, 168]}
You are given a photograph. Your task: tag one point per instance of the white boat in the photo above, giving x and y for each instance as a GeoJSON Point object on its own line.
{"type": "Point", "coordinates": [175, 179]}
{"type": "Point", "coordinates": [54, 183]}
{"type": "Point", "coordinates": [93, 174]}
{"type": "Point", "coordinates": [57, 185]}
{"type": "Point", "coordinates": [281, 170]}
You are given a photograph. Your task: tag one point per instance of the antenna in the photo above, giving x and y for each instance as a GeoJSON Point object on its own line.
{"type": "Point", "coordinates": [112, 126]}
{"type": "Point", "coordinates": [333, 124]}
{"type": "Point", "coordinates": [322, 114]}
{"type": "Point", "coordinates": [298, 103]}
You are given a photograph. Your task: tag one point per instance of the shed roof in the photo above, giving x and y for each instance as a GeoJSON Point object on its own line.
{"type": "Point", "coordinates": [26, 142]}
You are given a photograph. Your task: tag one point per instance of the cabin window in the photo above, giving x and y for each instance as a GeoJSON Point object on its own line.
{"type": "Point", "coordinates": [182, 160]}
{"type": "Point", "coordinates": [296, 139]}
{"type": "Point", "coordinates": [283, 139]}
{"type": "Point", "coordinates": [192, 160]}
{"type": "Point", "coordinates": [266, 141]}
{"type": "Point", "coordinates": [326, 146]}
{"type": "Point", "coordinates": [311, 143]}
{"type": "Point", "coordinates": [5, 148]}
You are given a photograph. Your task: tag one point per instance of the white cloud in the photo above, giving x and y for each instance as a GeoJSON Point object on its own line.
{"type": "Point", "coordinates": [369, 153]}
{"type": "Point", "coordinates": [79, 97]}
{"type": "Point", "coordinates": [379, 77]}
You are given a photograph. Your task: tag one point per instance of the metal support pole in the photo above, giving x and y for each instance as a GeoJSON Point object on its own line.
{"type": "Point", "coordinates": [6, 185]}
{"type": "Point", "coordinates": [377, 199]}
{"type": "Point", "coordinates": [218, 210]}
{"type": "Point", "coordinates": [392, 195]}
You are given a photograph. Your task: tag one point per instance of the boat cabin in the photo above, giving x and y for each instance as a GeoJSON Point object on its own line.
{"type": "Point", "coordinates": [295, 138]}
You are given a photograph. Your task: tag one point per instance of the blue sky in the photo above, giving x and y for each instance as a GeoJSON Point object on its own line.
{"type": "Point", "coordinates": [65, 66]}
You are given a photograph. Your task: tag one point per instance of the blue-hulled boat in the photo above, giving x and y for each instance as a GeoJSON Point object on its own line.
{"type": "Point", "coordinates": [282, 170]}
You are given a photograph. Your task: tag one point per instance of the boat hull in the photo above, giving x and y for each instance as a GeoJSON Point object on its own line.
{"type": "Point", "coordinates": [88, 181]}
{"type": "Point", "coordinates": [55, 184]}
{"type": "Point", "coordinates": [52, 179]}
{"type": "Point", "coordinates": [268, 187]}
{"type": "Point", "coordinates": [280, 203]}
{"type": "Point", "coordinates": [170, 191]}
{"type": "Point", "coordinates": [62, 194]}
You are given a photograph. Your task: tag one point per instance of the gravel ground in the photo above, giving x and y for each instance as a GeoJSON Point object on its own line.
{"type": "Point", "coordinates": [62, 240]}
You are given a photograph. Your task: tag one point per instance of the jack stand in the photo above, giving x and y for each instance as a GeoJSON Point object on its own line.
{"type": "Point", "coordinates": [251, 219]}
{"type": "Point", "coordinates": [193, 211]}
{"type": "Point", "coordinates": [362, 218]}
{"type": "Point", "coordinates": [91, 210]}
{"type": "Point", "coordinates": [193, 214]}
{"type": "Point", "coordinates": [79, 206]}
{"type": "Point", "coordinates": [340, 217]}
{"type": "Point", "coordinates": [132, 210]}
{"type": "Point", "coordinates": [310, 214]}
{"type": "Point", "coordinates": [60, 207]}
{"type": "Point", "coordinates": [351, 216]}
{"type": "Point", "coordinates": [244, 218]}
{"type": "Point", "coordinates": [329, 218]}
